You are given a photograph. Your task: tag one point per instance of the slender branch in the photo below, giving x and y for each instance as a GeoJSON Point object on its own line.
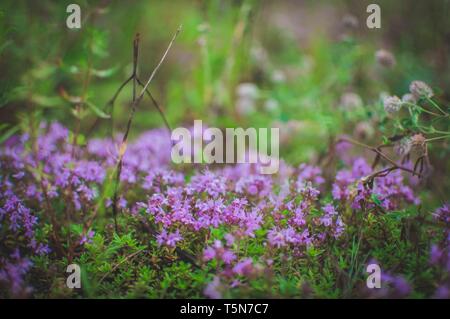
{"type": "Point", "coordinates": [421, 108]}
{"type": "Point", "coordinates": [436, 106]}
{"type": "Point", "coordinates": [380, 173]}
{"type": "Point", "coordinates": [49, 209]}
{"type": "Point", "coordinates": [120, 162]}
{"type": "Point", "coordinates": [184, 255]}
{"type": "Point", "coordinates": [136, 101]}
{"type": "Point", "coordinates": [155, 103]}
{"type": "Point", "coordinates": [127, 258]}
{"type": "Point", "coordinates": [379, 153]}
{"type": "Point", "coordinates": [110, 104]}
{"type": "Point", "coordinates": [437, 138]}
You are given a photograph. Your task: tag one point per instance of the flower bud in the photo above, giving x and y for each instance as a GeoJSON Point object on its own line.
{"type": "Point", "coordinates": [385, 58]}
{"type": "Point", "coordinates": [420, 89]}
{"type": "Point", "coordinates": [403, 147]}
{"type": "Point", "coordinates": [392, 104]}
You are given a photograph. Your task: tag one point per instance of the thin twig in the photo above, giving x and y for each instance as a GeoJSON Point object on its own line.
{"type": "Point", "coordinates": [110, 104]}
{"type": "Point", "coordinates": [127, 258]}
{"type": "Point", "coordinates": [120, 162]}
{"type": "Point", "coordinates": [136, 101]}
{"type": "Point", "coordinates": [379, 153]}
{"type": "Point", "coordinates": [145, 89]}
{"type": "Point", "coordinates": [182, 254]}
{"type": "Point", "coordinates": [155, 103]}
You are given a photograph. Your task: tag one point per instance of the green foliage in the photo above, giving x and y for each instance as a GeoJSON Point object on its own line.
{"type": "Point", "coordinates": [51, 73]}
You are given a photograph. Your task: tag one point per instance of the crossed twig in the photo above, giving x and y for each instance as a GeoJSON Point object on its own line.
{"type": "Point", "coordinates": [136, 81]}
{"type": "Point", "coordinates": [380, 155]}
{"type": "Point", "coordinates": [135, 102]}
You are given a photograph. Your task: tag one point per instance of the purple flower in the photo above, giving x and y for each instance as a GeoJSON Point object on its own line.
{"type": "Point", "coordinates": [244, 267]}
{"type": "Point", "coordinates": [19, 219]}
{"type": "Point", "coordinates": [229, 239]}
{"type": "Point", "coordinates": [327, 218]}
{"type": "Point", "coordinates": [395, 286]}
{"type": "Point", "coordinates": [435, 254]}
{"type": "Point", "coordinates": [12, 274]}
{"type": "Point", "coordinates": [212, 290]}
{"type": "Point", "coordinates": [342, 149]}
{"type": "Point", "coordinates": [159, 178]}
{"type": "Point", "coordinates": [209, 253]}
{"type": "Point", "coordinates": [217, 251]}
{"type": "Point", "coordinates": [309, 173]}
{"type": "Point", "coordinates": [443, 213]}
{"type": "Point", "coordinates": [208, 182]}
{"type": "Point", "coordinates": [228, 256]}
{"type": "Point", "coordinates": [442, 292]}
{"type": "Point", "coordinates": [168, 239]}
{"type": "Point", "coordinates": [309, 192]}
{"type": "Point", "coordinates": [276, 238]}
{"type": "Point", "coordinates": [87, 238]}
{"type": "Point", "coordinates": [254, 185]}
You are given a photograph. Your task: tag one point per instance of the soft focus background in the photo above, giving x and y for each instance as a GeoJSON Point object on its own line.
{"type": "Point", "coordinates": [311, 68]}
{"type": "Point", "coordinates": [308, 67]}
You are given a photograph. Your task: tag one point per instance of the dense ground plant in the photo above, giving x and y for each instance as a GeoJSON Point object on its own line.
{"type": "Point", "coordinates": [222, 231]}
{"type": "Point", "coordinates": [363, 178]}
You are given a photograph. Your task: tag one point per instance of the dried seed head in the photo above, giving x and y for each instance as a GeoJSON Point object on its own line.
{"type": "Point", "coordinates": [403, 146]}
{"type": "Point", "coordinates": [260, 55]}
{"type": "Point", "coordinates": [278, 76]}
{"type": "Point", "coordinates": [247, 90]}
{"type": "Point", "coordinates": [350, 21]}
{"type": "Point", "coordinates": [288, 130]}
{"type": "Point", "coordinates": [392, 104]}
{"type": "Point", "coordinates": [203, 27]}
{"type": "Point", "coordinates": [271, 105]}
{"type": "Point", "coordinates": [418, 142]}
{"type": "Point", "coordinates": [418, 139]}
{"type": "Point", "coordinates": [385, 58]}
{"type": "Point", "coordinates": [364, 130]}
{"type": "Point", "coordinates": [201, 41]}
{"type": "Point", "coordinates": [409, 98]}
{"type": "Point", "coordinates": [351, 101]}
{"type": "Point", "coordinates": [420, 89]}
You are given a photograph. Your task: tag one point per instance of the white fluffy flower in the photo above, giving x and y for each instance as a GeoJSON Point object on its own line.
{"type": "Point", "coordinates": [385, 58]}
{"type": "Point", "coordinates": [392, 104]}
{"type": "Point", "coordinates": [409, 98]}
{"type": "Point", "coordinates": [420, 89]}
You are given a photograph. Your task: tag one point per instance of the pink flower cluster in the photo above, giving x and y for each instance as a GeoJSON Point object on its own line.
{"type": "Point", "coordinates": [289, 211]}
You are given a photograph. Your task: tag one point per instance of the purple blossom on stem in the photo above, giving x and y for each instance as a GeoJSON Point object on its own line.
{"type": "Point", "coordinates": [212, 290]}
{"type": "Point", "coordinates": [168, 239]}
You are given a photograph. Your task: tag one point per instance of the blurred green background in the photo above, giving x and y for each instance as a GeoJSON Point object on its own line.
{"type": "Point", "coordinates": [308, 67]}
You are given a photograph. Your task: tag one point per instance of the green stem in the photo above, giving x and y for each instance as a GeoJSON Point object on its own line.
{"type": "Point", "coordinates": [421, 108]}
{"type": "Point", "coordinates": [437, 138]}
{"type": "Point", "coordinates": [436, 105]}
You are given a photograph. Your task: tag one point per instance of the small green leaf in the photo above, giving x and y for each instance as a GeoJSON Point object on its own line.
{"type": "Point", "coordinates": [46, 101]}
{"type": "Point", "coordinates": [97, 110]}
{"type": "Point", "coordinates": [9, 132]}
{"type": "Point", "coordinates": [105, 73]}
{"type": "Point", "coordinates": [375, 199]}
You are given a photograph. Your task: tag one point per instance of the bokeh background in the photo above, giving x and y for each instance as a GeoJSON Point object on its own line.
{"type": "Point", "coordinates": [308, 67]}
{"type": "Point", "coordinates": [311, 68]}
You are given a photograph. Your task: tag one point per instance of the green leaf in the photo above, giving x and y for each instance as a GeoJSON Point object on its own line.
{"type": "Point", "coordinates": [4, 45]}
{"type": "Point", "coordinates": [9, 132]}
{"type": "Point", "coordinates": [313, 252]}
{"type": "Point", "coordinates": [375, 199]}
{"type": "Point", "coordinates": [46, 101]}
{"type": "Point", "coordinates": [76, 228]}
{"type": "Point", "coordinates": [105, 73]}
{"type": "Point", "coordinates": [97, 110]}
{"type": "Point", "coordinates": [397, 215]}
